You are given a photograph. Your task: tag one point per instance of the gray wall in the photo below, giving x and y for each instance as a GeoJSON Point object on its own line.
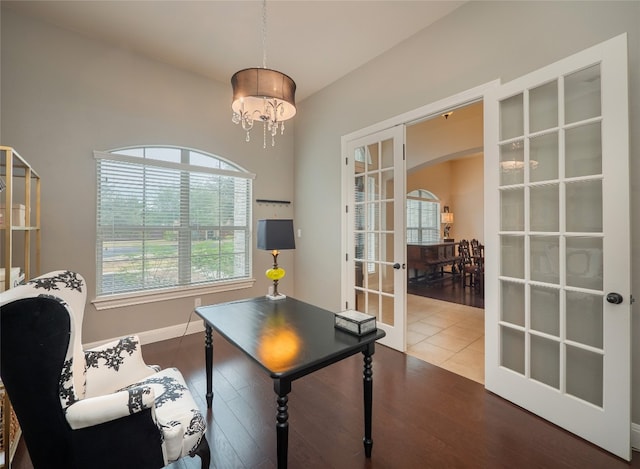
{"type": "Point", "coordinates": [64, 96]}
{"type": "Point", "coordinates": [477, 43]}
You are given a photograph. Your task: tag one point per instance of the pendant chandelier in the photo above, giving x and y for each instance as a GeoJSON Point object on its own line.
{"type": "Point", "coordinates": [262, 94]}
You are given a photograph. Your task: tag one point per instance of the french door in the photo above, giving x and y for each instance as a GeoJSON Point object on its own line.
{"type": "Point", "coordinates": [375, 244]}
{"type": "Point", "coordinates": [558, 281]}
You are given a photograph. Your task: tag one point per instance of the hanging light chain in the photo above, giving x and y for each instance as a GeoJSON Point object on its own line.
{"type": "Point", "coordinates": [264, 33]}
{"type": "Point", "coordinates": [264, 65]}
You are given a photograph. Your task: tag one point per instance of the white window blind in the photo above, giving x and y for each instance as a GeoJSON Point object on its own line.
{"type": "Point", "coordinates": [423, 217]}
{"type": "Point", "coordinates": [170, 217]}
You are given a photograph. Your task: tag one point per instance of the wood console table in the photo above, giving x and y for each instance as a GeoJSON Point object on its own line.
{"type": "Point", "coordinates": [428, 261]}
{"type": "Point", "coordinates": [288, 339]}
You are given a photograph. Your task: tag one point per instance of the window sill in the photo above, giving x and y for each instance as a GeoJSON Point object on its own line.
{"type": "Point", "coordinates": [132, 299]}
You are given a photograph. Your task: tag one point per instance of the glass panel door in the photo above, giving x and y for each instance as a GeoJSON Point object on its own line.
{"type": "Point", "coordinates": [555, 345]}
{"type": "Point", "coordinates": [376, 238]}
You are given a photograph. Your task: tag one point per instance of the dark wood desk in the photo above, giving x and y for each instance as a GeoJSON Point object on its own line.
{"type": "Point", "coordinates": [288, 339]}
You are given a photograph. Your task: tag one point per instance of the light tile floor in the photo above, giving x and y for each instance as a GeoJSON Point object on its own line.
{"type": "Point", "coordinates": [448, 335]}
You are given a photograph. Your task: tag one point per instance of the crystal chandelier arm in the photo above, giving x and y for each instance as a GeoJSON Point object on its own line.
{"type": "Point", "coordinates": [247, 123]}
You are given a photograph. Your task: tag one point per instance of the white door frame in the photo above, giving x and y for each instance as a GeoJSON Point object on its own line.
{"type": "Point", "coordinates": [430, 110]}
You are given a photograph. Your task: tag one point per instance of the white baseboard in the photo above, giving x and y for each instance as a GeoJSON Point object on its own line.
{"type": "Point", "coordinates": [635, 436]}
{"type": "Point", "coordinates": [171, 332]}
{"type": "Point", "coordinates": [157, 335]}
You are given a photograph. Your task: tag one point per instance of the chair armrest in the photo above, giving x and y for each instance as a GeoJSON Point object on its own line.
{"type": "Point", "coordinates": [115, 365]}
{"type": "Point", "coordinates": [96, 410]}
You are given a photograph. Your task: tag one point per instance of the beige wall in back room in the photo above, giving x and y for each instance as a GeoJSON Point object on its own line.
{"type": "Point", "coordinates": [435, 179]}
{"type": "Point", "coordinates": [457, 185]}
{"type": "Point", "coordinates": [468, 198]}
{"type": "Point", "coordinates": [444, 156]}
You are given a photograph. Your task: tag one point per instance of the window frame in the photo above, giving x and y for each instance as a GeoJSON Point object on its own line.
{"type": "Point", "coordinates": [423, 196]}
{"type": "Point", "coordinates": [150, 295]}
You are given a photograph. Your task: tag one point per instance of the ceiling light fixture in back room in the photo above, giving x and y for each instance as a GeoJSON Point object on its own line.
{"type": "Point", "coordinates": [263, 94]}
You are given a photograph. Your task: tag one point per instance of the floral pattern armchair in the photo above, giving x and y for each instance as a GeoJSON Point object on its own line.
{"type": "Point", "coordinates": [95, 408]}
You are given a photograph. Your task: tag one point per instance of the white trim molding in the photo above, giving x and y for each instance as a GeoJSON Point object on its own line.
{"type": "Point", "coordinates": [193, 326]}
{"type": "Point", "coordinates": [635, 436]}
{"type": "Point", "coordinates": [151, 296]}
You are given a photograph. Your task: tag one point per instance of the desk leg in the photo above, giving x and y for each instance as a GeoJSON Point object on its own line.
{"type": "Point", "coordinates": [282, 422]}
{"type": "Point", "coordinates": [208, 359]}
{"type": "Point", "coordinates": [367, 379]}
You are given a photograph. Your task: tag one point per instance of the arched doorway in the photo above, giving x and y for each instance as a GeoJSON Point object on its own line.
{"type": "Point", "coordinates": [445, 321]}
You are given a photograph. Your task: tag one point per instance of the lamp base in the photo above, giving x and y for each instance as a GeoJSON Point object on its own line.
{"type": "Point", "coordinates": [279, 296]}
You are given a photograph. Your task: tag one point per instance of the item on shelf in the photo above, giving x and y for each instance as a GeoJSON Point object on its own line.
{"type": "Point", "coordinates": [10, 431]}
{"type": "Point", "coordinates": [16, 277]}
{"type": "Point", "coordinates": [18, 214]}
{"type": "Point", "coordinates": [355, 322]}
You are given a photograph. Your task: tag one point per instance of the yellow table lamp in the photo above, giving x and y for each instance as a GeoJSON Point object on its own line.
{"type": "Point", "coordinates": [275, 235]}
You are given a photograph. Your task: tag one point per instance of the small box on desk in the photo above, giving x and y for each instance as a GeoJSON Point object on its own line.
{"type": "Point", "coordinates": [355, 322]}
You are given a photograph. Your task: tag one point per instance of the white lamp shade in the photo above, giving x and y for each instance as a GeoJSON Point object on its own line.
{"type": "Point", "coordinates": [446, 217]}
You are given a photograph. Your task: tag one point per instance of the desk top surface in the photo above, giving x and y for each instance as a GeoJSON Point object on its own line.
{"type": "Point", "coordinates": [288, 338]}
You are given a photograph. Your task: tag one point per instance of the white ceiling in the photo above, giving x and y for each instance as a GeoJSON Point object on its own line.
{"type": "Point", "coordinates": [314, 42]}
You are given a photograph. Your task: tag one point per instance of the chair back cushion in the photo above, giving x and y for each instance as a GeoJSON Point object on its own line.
{"type": "Point", "coordinates": [69, 290]}
{"type": "Point", "coordinates": [42, 363]}
{"type": "Point", "coordinates": [34, 339]}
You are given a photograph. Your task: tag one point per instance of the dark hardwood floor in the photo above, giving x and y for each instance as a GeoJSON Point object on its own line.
{"type": "Point", "coordinates": [449, 289]}
{"type": "Point", "coordinates": [424, 417]}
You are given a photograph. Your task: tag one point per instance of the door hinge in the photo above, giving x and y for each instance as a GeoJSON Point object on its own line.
{"type": "Point", "coordinates": [346, 209]}
{"type": "Point", "coordinates": [346, 257]}
{"type": "Point", "coordinates": [346, 161]}
{"type": "Point", "coordinates": [632, 299]}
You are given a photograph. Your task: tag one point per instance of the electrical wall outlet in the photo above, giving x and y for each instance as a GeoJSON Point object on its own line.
{"type": "Point", "coordinates": [198, 302]}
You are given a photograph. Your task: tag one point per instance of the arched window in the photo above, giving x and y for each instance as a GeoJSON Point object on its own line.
{"type": "Point", "coordinates": [170, 218]}
{"type": "Point", "coordinates": [423, 217]}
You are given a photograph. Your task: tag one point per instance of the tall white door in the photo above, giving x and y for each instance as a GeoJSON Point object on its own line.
{"type": "Point", "coordinates": [375, 239]}
{"type": "Point", "coordinates": [558, 275]}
